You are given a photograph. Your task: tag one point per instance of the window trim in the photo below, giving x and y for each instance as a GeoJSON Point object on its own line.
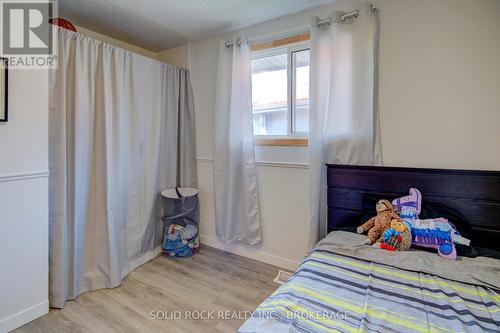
{"type": "Point", "coordinates": [269, 140]}
{"type": "Point", "coordinates": [303, 37]}
{"type": "Point", "coordinates": [292, 138]}
{"type": "Point", "coordinates": [292, 92]}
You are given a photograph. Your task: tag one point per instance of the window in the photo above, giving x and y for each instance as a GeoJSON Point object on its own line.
{"type": "Point", "coordinates": [300, 91]}
{"type": "Point", "coordinates": [280, 91]}
{"type": "Point", "coordinates": [269, 95]}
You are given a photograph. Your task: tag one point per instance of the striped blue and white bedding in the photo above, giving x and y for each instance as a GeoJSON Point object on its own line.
{"type": "Point", "coordinates": [336, 291]}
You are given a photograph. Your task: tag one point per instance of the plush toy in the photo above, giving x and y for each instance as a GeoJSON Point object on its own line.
{"type": "Point", "coordinates": [409, 207]}
{"type": "Point", "coordinates": [438, 234]}
{"type": "Point", "coordinates": [378, 224]}
{"type": "Point", "coordinates": [397, 237]}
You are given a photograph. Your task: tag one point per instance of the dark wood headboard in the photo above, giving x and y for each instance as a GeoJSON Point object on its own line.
{"type": "Point", "coordinates": [472, 195]}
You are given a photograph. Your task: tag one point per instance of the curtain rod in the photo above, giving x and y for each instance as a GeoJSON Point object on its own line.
{"type": "Point", "coordinates": [343, 17]}
{"type": "Point", "coordinates": [230, 44]}
{"type": "Point", "coordinates": [320, 22]}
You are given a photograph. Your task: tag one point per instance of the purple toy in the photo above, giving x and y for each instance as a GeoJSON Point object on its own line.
{"type": "Point", "coordinates": [434, 233]}
{"type": "Point", "coordinates": [409, 207]}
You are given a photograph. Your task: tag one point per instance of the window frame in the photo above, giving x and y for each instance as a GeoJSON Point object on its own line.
{"type": "Point", "coordinates": [291, 138]}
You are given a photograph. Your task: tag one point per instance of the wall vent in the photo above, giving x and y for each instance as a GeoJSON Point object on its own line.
{"type": "Point", "coordinates": [282, 277]}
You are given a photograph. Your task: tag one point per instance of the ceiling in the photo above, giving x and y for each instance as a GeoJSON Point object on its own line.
{"type": "Point", "coordinates": [157, 25]}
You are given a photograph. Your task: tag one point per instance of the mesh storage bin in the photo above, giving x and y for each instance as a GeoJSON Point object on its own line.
{"type": "Point", "coordinates": [180, 223]}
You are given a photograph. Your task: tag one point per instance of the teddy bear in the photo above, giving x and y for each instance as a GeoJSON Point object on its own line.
{"type": "Point", "coordinates": [397, 237]}
{"type": "Point", "coordinates": [379, 223]}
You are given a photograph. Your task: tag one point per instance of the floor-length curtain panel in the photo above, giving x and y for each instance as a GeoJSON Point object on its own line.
{"type": "Point", "coordinates": [110, 153]}
{"type": "Point", "coordinates": [344, 114]}
{"type": "Point", "coordinates": [235, 175]}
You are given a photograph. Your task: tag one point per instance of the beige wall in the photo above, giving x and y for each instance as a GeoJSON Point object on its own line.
{"type": "Point", "coordinates": [178, 56]}
{"type": "Point", "coordinates": [439, 107]}
{"type": "Point", "coordinates": [440, 83]}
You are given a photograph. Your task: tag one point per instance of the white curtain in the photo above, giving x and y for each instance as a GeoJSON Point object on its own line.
{"type": "Point", "coordinates": [117, 120]}
{"type": "Point", "coordinates": [344, 115]}
{"type": "Point", "coordinates": [235, 176]}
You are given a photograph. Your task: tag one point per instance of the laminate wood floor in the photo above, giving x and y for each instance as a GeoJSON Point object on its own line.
{"type": "Point", "coordinates": [213, 281]}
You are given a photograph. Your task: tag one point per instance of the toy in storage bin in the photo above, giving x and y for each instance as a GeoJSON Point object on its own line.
{"type": "Point", "coordinates": [180, 224]}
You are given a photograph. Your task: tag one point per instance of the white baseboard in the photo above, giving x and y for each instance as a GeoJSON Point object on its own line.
{"type": "Point", "coordinates": [23, 317]}
{"type": "Point", "coordinates": [267, 258]}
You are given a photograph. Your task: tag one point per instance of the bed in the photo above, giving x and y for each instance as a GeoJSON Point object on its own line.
{"type": "Point", "coordinates": [345, 286]}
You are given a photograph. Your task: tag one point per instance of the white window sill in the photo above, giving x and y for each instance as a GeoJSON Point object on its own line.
{"type": "Point", "coordinates": [261, 141]}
